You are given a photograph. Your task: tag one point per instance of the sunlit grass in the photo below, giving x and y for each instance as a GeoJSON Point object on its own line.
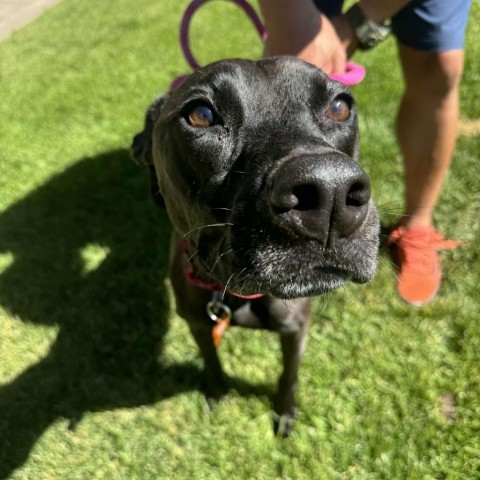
{"type": "Point", "coordinates": [98, 376]}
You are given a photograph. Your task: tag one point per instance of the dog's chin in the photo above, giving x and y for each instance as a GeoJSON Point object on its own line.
{"type": "Point", "coordinates": [292, 280]}
{"type": "Point", "coordinates": [324, 284]}
{"type": "Point", "coordinates": [280, 278]}
{"type": "Point", "coordinates": [297, 286]}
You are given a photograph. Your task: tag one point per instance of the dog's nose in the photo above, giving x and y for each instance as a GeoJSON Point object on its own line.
{"type": "Point", "coordinates": [319, 196]}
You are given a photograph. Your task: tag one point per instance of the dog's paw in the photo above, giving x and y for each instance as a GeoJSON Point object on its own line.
{"type": "Point", "coordinates": [282, 424]}
{"type": "Point", "coordinates": [214, 392]}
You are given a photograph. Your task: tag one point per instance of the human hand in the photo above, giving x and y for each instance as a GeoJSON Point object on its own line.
{"type": "Point", "coordinates": [298, 28]}
{"type": "Point", "coordinates": [326, 49]}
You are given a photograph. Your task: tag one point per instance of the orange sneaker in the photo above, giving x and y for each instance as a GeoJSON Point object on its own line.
{"type": "Point", "coordinates": [415, 252]}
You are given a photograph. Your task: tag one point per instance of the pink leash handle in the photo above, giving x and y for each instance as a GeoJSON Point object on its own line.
{"type": "Point", "coordinates": [354, 73]}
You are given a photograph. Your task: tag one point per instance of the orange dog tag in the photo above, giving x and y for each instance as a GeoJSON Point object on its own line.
{"type": "Point", "coordinates": [219, 313]}
{"type": "Point", "coordinates": [219, 329]}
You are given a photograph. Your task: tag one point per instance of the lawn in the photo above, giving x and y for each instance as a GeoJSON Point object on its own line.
{"type": "Point", "coordinates": [98, 376]}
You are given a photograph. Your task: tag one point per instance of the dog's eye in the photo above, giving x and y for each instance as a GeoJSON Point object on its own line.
{"type": "Point", "coordinates": [339, 110]}
{"type": "Point", "coordinates": [201, 116]}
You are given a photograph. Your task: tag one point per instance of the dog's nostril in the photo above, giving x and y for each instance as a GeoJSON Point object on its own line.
{"type": "Point", "coordinates": [358, 195]}
{"type": "Point", "coordinates": [307, 197]}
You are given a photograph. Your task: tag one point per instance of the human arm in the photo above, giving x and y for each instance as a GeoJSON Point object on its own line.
{"type": "Point", "coordinates": [296, 27]}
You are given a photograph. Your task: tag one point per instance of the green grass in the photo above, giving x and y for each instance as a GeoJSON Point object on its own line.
{"type": "Point", "coordinates": [100, 379]}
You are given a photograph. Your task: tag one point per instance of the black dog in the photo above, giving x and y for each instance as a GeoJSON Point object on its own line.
{"type": "Point", "coordinates": [257, 165]}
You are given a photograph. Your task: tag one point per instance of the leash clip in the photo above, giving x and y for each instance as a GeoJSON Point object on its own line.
{"type": "Point", "coordinates": [221, 315]}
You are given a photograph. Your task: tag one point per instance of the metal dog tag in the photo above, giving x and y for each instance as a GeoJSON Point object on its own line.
{"type": "Point", "coordinates": [221, 314]}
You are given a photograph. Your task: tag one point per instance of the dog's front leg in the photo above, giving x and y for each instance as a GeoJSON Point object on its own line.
{"type": "Point", "coordinates": [293, 346]}
{"type": "Point", "coordinates": [214, 386]}
{"type": "Point", "coordinates": [191, 302]}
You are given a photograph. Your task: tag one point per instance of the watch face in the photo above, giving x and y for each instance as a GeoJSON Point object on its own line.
{"type": "Point", "coordinates": [370, 33]}
{"type": "Point", "coordinates": [364, 32]}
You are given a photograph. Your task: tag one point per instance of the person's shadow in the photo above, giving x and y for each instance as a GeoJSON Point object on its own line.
{"type": "Point", "coordinates": [111, 313]}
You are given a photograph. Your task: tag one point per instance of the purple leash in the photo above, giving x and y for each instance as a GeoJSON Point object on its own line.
{"type": "Point", "coordinates": [354, 73]}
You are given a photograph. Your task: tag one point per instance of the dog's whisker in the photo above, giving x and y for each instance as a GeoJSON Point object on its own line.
{"type": "Point", "coordinates": [385, 262]}
{"type": "Point", "coordinates": [241, 288]}
{"type": "Point", "coordinates": [325, 300]}
{"type": "Point", "coordinates": [390, 207]}
{"type": "Point", "coordinates": [226, 286]}
{"type": "Point", "coordinates": [239, 279]}
{"type": "Point", "coordinates": [192, 255]}
{"type": "Point", "coordinates": [222, 208]}
{"type": "Point", "coordinates": [226, 224]}
{"type": "Point", "coordinates": [219, 257]}
{"type": "Point", "coordinates": [390, 203]}
{"type": "Point", "coordinates": [400, 207]}
{"type": "Point", "coordinates": [389, 212]}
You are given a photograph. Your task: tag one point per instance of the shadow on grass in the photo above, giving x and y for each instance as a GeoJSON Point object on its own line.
{"type": "Point", "coordinates": [111, 317]}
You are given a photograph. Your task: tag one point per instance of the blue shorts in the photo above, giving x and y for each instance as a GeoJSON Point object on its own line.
{"type": "Point", "coordinates": [431, 25]}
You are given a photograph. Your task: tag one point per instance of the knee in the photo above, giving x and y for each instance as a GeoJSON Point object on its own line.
{"type": "Point", "coordinates": [434, 75]}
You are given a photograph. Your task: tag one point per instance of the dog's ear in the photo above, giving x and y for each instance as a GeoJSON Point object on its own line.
{"type": "Point", "coordinates": [141, 149]}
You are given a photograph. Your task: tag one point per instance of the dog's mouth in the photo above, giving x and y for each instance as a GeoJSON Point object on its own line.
{"type": "Point", "coordinates": [258, 257]}
{"type": "Point", "coordinates": [281, 273]}
{"type": "Point", "coordinates": [305, 282]}
{"type": "Point", "coordinates": [315, 281]}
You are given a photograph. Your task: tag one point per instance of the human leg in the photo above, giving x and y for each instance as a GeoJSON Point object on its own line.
{"type": "Point", "coordinates": [430, 35]}
{"type": "Point", "coordinates": [427, 127]}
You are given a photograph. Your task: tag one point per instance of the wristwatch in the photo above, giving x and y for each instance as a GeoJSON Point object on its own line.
{"type": "Point", "coordinates": [368, 32]}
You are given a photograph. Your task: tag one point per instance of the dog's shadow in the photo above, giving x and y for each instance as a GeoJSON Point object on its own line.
{"type": "Point", "coordinates": [89, 256]}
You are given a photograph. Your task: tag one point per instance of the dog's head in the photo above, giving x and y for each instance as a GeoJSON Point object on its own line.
{"type": "Point", "coordinates": [257, 163]}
